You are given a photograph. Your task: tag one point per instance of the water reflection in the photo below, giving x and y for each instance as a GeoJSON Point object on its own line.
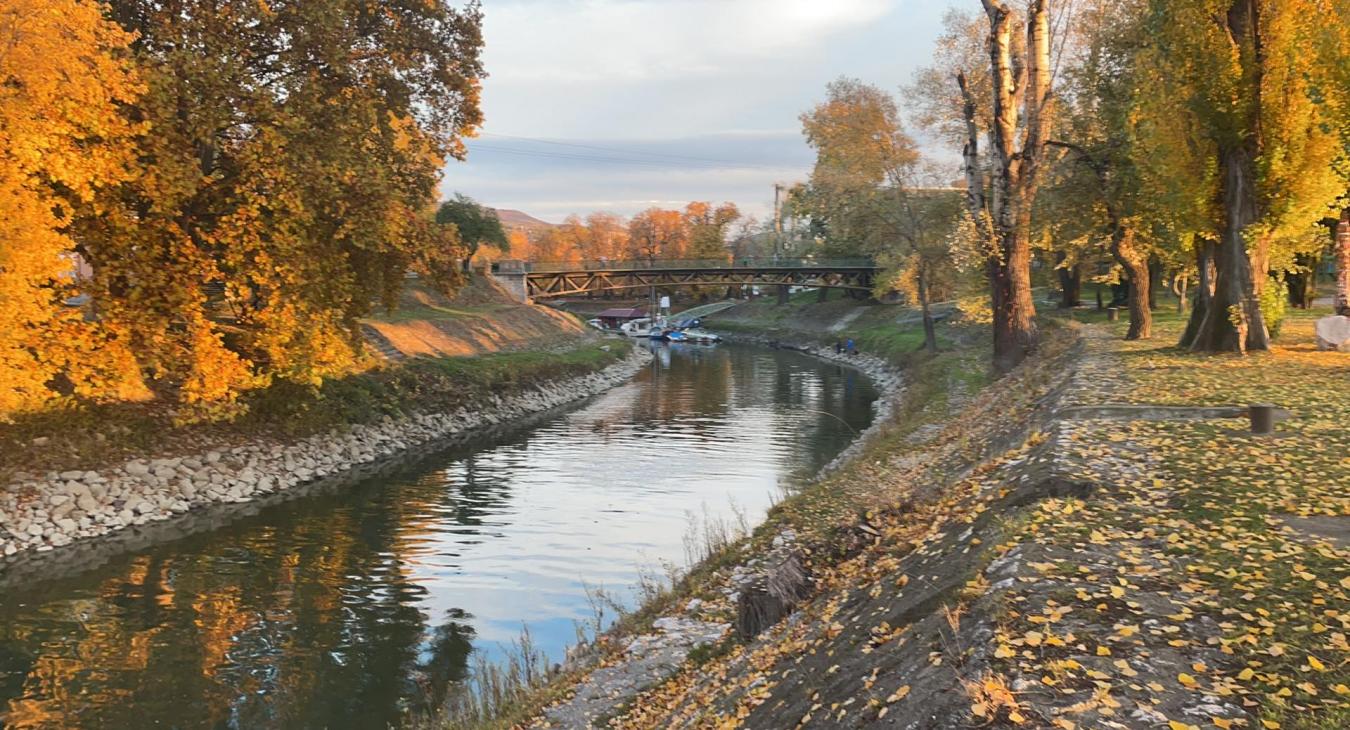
{"type": "Point", "coordinates": [354, 609]}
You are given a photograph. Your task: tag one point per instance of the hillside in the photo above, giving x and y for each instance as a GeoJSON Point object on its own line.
{"type": "Point", "coordinates": [521, 220]}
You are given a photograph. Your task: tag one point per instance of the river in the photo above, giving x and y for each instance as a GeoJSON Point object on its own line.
{"type": "Point", "coordinates": [355, 608]}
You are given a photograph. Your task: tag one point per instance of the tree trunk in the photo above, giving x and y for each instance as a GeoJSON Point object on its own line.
{"type": "Point", "coordinates": [1016, 173]}
{"type": "Point", "coordinates": [1233, 321]}
{"type": "Point", "coordinates": [1303, 282]}
{"type": "Point", "coordinates": [1140, 285]}
{"type": "Point", "coordinates": [1070, 282]}
{"type": "Point", "coordinates": [1343, 263]}
{"type": "Point", "coordinates": [930, 342]}
{"type": "Point", "coordinates": [1155, 277]}
{"type": "Point", "coordinates": [1204, 290]}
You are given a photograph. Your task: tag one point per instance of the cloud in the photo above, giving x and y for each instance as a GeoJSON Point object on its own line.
{"type": "Point", "coordinates": [551, 180]}
{"type": "Point", "coordinates": [633, 40]}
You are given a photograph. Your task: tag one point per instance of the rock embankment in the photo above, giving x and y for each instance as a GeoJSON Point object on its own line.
{"type": "Point", "coordinates": [42, 512]}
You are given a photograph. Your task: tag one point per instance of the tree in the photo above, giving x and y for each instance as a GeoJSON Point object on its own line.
{"type": "Point", "coordinates": [1334, 84]}
{"type": "Point", "coordinates": [1099, 139]}
{"type": "Point", "coordinates": [605, 237]}
{"type": "Point", "coordinates": [919, 221]}
{"type": "Point", "coordinates": [477, 225]}
{"type": "Point", "coordinates": [709, 227]}
{"type": "Point", "coordinates": [62, 74]}
{"type": "Point", "coordinates": [289, 151]}
{"type": "Point", "coordinates": [1020, 90]}
{"type": "Point", "coordinates": [1239, 68]}
{"type": "Point", "coordinates": [860, 144]}
{"type": "Point", "coordinates": [658, 234]}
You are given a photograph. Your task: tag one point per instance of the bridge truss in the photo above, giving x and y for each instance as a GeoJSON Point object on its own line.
{"type": "Point", "coordinates": [572, 281]}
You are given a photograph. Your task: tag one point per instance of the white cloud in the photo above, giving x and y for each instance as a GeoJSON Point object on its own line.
{"type": "Point", "coordinates": [630, 40]}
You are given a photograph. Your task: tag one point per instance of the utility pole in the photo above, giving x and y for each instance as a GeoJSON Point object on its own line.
{"type": "Point", "coordinates": [778, 190]}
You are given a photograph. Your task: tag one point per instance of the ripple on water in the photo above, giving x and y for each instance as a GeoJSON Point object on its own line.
{"type": "Point", "coordinates": [347, 609]}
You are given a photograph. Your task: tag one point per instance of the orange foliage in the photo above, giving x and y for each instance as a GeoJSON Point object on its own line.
{"type": "Point", "coordinates": [59, 131]}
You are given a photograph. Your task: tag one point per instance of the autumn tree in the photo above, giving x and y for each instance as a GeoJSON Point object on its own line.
{"type": "Point", "coordinates": [860, 146]}
{"type": "Point", "coordinates": [289, 150]}
{"type": "Point", "coordinates": [1246, 82]}
{"type": "Point", "coordinates": [476, 225]}
{"type": "Point", "coordinates": [604, 238]}
{"type": "Point", "coordinates": [63, 72]}
{"type": "Point", "coordinates": [657, 233]}
{"type": "Point", "coordinates": [1000, 203]}
{"type": "Point", "coordinates": [1334, 82]}
{"type": "Point", "coordinates": [1097, 134]}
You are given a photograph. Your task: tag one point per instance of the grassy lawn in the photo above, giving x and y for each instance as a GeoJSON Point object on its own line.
{"type": "Point", "coordinates": [1196, 542]}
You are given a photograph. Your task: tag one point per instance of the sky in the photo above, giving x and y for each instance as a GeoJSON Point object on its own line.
{"type": "Point", "coordinates": [621, 105]}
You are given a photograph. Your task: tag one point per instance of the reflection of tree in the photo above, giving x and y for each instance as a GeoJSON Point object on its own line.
{"type": "Point", "coordinates": [307, 618]}
{"type": "Point", "coordinates": [445, 659]}
{"type": "Point", "coordinates": [311, 613]}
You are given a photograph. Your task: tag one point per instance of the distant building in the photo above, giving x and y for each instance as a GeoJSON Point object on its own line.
{"type": "Point", "coordinates": [613, 318]}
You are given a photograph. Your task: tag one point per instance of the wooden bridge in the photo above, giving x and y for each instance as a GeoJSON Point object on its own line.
{"type": "Point", "coordinates": [534, 281]}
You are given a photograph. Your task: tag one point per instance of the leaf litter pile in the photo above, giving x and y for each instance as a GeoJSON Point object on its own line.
{"type": "Point", "coordinates": [1022, 570]}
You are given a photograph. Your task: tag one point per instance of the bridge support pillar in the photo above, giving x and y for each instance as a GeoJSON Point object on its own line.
{"type": "Point", "coordinates": [512, 279]}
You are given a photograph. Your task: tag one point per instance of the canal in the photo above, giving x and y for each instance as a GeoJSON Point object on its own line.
{"type": "Point", "coordinates": [358, 607]}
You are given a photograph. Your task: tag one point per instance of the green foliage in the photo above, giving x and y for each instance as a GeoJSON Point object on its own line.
{"type": "Point", "coordinates": [1274, 303]}
{"type": "Point", "coordinates": [476, 224]}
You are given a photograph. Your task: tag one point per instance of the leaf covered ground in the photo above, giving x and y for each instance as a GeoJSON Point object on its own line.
{"type": "Point", "coordinates": [1016, 567]}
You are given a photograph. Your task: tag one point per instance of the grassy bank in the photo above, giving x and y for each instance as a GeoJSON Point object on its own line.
{"type": "Point", "coordinates": [888, 330]}
{"type": "Point", "coordinates": [88, 435]}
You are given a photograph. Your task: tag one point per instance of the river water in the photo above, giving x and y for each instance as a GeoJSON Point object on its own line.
{"type": "Point", "coordinates": [353, 609]}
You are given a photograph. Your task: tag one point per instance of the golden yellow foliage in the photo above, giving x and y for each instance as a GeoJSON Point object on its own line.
{"type": "Point", "coordinates": [61, 75]}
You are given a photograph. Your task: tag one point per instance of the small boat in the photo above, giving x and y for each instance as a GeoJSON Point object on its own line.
{"type": "Point", "coordinates": [702, 337]}
{"type": "Point", "coordinates": [678, 336]}
{"type": "Point", "coordinates": [637, 327]}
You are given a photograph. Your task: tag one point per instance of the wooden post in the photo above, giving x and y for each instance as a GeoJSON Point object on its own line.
{"type": "Point", "coordinates": [1263, 418]}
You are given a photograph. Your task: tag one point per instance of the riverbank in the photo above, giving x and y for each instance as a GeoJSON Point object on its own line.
{"type": "Point", "coordinates": [689, 621]}
{"type": "Point", "coordinates": [436, 399]}
{"type": "Point", "coordinates": [1036, 558]}
{"type": "Point", "coordinates": [479, 336]}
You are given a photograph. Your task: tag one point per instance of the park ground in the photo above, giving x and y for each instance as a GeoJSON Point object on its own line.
{"type": "Point", "coordinates": [1025, 552]}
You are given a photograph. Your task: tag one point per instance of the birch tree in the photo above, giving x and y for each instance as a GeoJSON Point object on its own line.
{"type": "Point", "coordinates": [1001, 206]}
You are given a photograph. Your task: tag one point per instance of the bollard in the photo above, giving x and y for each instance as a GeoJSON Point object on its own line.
{"type": "Point", "coordinates": [1263, 417]}
{"type": "Point", "coordinates": [1112, 314]}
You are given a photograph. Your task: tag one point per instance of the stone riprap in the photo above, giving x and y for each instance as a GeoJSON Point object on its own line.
{"type": "Point", "coordinates": [40, 513]}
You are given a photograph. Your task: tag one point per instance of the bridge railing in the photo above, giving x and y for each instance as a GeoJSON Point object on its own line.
{"type": "Point", "coordinates": [657, 264]}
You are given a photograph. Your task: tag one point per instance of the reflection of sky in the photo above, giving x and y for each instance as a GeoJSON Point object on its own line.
{"type": "Point", "coordinates": [603, 491]}
{"type": "Point", "coordinates": [337, 609]}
